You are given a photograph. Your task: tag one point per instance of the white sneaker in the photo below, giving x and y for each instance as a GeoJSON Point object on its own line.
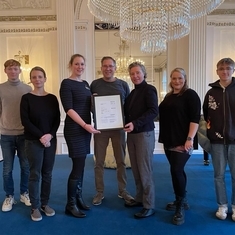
{"type": "Point", "coordinates": [222, 212]}
{"type": "Point", "coordinates": [233, 215]}
{"type": "Point", "coordinates": [25, 198]}
{"type": "Point", "coordinates": [7, 204]}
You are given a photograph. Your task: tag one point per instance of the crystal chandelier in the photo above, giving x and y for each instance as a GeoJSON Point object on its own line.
{"type": "Point", "coordinates": [123, 61]}
{"type": "Point", "coordinates": [152, 22]}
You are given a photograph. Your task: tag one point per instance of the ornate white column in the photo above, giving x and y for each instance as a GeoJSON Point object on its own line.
{"type": "Point", "coordinates": [65, 35]}
{"type": "Point", "coordinates": [65, 47]}
{"type": "Point", "coordinates": [197, 56]}
{"type": "Point", "coordinates": [84, 38]}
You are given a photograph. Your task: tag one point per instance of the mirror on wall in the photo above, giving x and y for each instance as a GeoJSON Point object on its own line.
{"type": "Point", "coordinates": [109, 43]}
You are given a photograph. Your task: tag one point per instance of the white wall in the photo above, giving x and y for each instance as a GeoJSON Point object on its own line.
{"type": "Point", "coordinates": [220, 42]}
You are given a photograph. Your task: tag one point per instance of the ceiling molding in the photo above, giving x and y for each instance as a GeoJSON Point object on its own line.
{"type": "Point", "coordinates": [78, 6]}
{"type": "Point", "coordinates": [25, 5]}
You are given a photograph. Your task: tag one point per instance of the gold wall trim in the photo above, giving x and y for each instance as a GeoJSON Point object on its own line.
{"type": "Point", "coordinates": [223, 12]}
{"type": "Point", "coordinates": [29, 30]}
{"type": "Point", "coordinates": [218, 24]}
{"type": "Point", "coordinates": [28, 18]}
{"type": "Point", "coordinates": [81, 27]}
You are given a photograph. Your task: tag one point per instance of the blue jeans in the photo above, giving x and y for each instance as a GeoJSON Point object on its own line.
{"type": "Point", "coordinates": [41, 162]}
{"type": "Point", "coordinates": [12, 144]}
{"type": "Point", "coordinates": [221, 156]}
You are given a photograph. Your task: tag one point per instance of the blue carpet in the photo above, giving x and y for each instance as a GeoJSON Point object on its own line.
{"type": "Point", "coordinates": [111, 217]}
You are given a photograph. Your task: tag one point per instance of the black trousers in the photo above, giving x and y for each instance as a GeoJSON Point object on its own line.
{"type": "Point", "coordinates": [177, 162]}
{"type": "Point", "coordinates": [205, 155]}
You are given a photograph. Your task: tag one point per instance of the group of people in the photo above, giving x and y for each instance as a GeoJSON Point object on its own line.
{"type": "Point", "coordinates": [29, 119]}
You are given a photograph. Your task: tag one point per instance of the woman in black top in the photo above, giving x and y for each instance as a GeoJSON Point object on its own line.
{"type": "Point", "coordinates": [76, 100]}
{"type": "Point", "coordinates": [40, 117]}
{"type": "Point", "coordinates": [179, 115]}
{"type": "Point", "coordinates": [141, 107]}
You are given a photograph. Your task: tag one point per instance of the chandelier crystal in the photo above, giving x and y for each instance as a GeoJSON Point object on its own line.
{"type": "Point", "coordinates": [123, 60]}
{"type": "Point", "coordinates": [152, 22]}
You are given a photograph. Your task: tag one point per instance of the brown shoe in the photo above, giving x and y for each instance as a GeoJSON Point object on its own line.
{"type": "Point", "coordinates": [97, 200]}
{"type": "Point", "coordinates": [126, 196]}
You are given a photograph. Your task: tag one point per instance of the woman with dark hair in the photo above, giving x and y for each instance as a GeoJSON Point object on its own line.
{"type": "Point", "coordinates": [141, 108]}
{"type": "Point", "coordinates": [76, 99]}
{"type": "Point", "coordinates": [179, 115]}
{"type": "Point", "coordinates": [40, 117]}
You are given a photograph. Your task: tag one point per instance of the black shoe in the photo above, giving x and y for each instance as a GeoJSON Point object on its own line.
{"type": "Point", "coordinates": [171, 206]}
{"type": "Point", "coordinates": [81, 204]}
{"type": "Point", "coordinates": [178, 217]}
{"type": "Point", "coordinates": [144, 213]}
{"type": "Point", "coordinates": [74, 211]}
{"type": "Point", "coordinates": [133, 203]}
{"type": "Point", "coordinates": [206, 162]}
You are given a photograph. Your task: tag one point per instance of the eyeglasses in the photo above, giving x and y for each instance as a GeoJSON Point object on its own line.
{"type": "Point", "coordinates": [108, 66]}
{"type": "Point", "coordinates": [225, 69]}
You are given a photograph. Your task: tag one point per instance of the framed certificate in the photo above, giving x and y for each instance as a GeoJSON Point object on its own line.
{"type": "Point", "coordinates": [108, 112]}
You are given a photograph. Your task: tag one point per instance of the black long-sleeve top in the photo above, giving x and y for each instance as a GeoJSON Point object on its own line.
{"type": "Point", "coordinates": [141, 107]}
{"type": "Point", "coordinates": [40, 115]}
{"type": "Point", "coordinates": [175, 114]}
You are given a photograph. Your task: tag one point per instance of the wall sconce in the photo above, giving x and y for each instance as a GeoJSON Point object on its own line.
{"type": "Point", "coordinates": [22, 58]}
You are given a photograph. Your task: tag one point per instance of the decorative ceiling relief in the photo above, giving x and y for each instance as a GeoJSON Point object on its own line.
{"type": "Point", "coordinates": [24, 4]}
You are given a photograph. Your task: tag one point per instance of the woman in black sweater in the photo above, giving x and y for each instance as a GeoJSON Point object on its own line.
{"type": "Point", "coordinates": [141, 107]}
{"type": "Point", "coordinates": [179, 115]}
{"type": "Point", "coordinates": [40, 117]}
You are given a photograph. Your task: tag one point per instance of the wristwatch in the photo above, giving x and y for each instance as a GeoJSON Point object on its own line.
{"type": "Point", "coordinates": [189, 138]}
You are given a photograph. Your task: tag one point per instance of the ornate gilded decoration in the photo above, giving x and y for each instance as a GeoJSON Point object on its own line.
{"type": "Point", "coordinates": [28, 30]}
{"type": "Point", "coordinates": [29, 18]}
{"type": "Point", "coordinates": [223, 12]}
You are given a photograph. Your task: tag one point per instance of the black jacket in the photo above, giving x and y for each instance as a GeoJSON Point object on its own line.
{"type": "Point", "coordinates": [141, 107]}
{"type": "Point", "coordinates": [219, 112]}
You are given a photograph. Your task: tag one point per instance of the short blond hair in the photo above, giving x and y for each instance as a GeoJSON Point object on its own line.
{"type": "Point", "coordinates": [138, 64]}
